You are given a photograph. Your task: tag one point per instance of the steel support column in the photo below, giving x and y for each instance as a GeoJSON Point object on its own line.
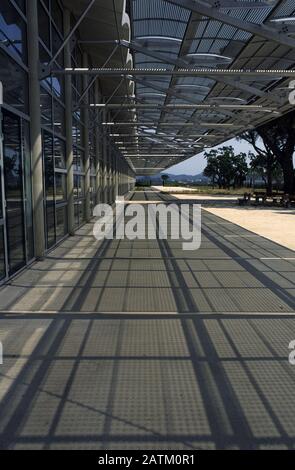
{"type": "Point", "coordinates": [98, 149]}
{"type": "Point", "coordinates": [69, 128]}
{"type": "Point", "coordinates": [35, 127]}
{"type": "Point", "coordinates": [86, 145]}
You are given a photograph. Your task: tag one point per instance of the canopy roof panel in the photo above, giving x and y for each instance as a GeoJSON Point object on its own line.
{"type": "Point", "coordinates": [175, 34]}
{"type": "Point", "coordinates": [163, 71]}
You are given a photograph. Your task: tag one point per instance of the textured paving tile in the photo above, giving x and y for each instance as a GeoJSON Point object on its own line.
{"type": "Point", "coordinates": [206, 381]}
{"type": "Point", "coordinates": [140, 384]}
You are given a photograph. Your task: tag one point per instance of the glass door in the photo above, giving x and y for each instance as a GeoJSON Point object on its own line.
{"type": "Point", "coordinates": [13, 192]}
{"type": "Point", "coordinates": [49, 189]}
{"type": "Point", "coordinates": [3, 254]}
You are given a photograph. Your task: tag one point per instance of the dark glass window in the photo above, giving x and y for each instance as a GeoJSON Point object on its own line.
{"type": "Point", "coordinates": [61, 222]}
{"type": "Point", "coordinates": [81, 212]}
{"type": "Point", "coordinates": [59, 153]}
{"type": "Point", "coordinates": [45, 59]}
{"type": "Point", "coordinates": [46, 108]}
{"type": "Point", "coordinates": [57, 15]}
{"type": "Point", "coordinates": [78, 160]}
{"type": "Point", "coordinates": [15, 83]}
{"type": "Point", "coordinates": [1, 201]}
{"type": "Point", "coordinates": [77, 132]}
{"type": "Point", "coordinates": [58, 117]}
{"type": "Point", "coordinates": [14, 191]}
{"type": "Point", "coordinates": [49, 188]}
{"type": "Point", "coordinates": [46, 3]}
{"type": "Point", "coordinates": [13, 30]}
{"type": "Point", "coordinates": [79, 186]}
{"type": "Point", "coordinates": [21, 4]}
{"type": "Point", "coordinates": [44, 26]}
{"type": "Point", "coordinates": [56, 43]}
{"type": "Point", "coordinates": [28, 189]}
{"type": "Point", "coordinates": [92, 164]}
{"type": "Point", "coordinates": [57, 86]}
{"type": "Point", "coordinates": [2, 253]}
{"type": "Point", "coordinates": [60, 187]}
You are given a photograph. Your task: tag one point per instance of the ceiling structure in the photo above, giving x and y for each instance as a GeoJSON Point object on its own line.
{"type": "Point", "coordinates": [180, 76]}
{"type": "Point", "coordinates": [179, 34]}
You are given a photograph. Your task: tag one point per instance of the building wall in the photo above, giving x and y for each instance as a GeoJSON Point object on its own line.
{"type": "Point", "coordinates": [78, 166]}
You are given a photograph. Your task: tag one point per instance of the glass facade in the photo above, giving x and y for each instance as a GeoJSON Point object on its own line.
{"type": "Point", "coordinates": [17, 218]}
{"type": "Point", "coordinates": [14, 191]}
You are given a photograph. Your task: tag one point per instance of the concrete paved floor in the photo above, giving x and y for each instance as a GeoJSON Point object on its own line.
{"type": "Point", "coordinates": [275, 223]}
{"type": "Point", "coordinates": [138, 344]}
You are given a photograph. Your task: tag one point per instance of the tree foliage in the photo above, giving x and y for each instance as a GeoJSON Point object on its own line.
{"type": "Point", "coordinates": [224, 167]}
{"type": "Point", "coordinates": [278, 137]}
{"type": "Point", "coordinates": [164, 179]}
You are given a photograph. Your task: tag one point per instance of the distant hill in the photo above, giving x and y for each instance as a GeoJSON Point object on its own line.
{"type": "Point", "coordinates": [200, 178]}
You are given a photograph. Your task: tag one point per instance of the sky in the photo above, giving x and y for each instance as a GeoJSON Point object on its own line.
{"type": "Point", "coordinates": [197, 164]}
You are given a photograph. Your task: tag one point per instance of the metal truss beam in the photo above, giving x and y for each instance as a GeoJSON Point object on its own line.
{"type": "Point", "coordinates": [266, 32]}
{"type": "Point", "coordinates": [156, 106]}
{"type": "Point", "coordinates": [201, 72]}
{"type": "Point", "coordinates": [68, 37]}
{"type": "Point", "coordinates": [93, 80]}
{"type": "Point", "coordinates": [239, 4]}
{"type": "Point", "coordinates": [173, 124]}
{"type": "Point", "coordinates": [180, 63]}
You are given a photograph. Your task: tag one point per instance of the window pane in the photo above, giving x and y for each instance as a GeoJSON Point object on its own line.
{"type": "Point", "coordinates": [61, 222]}
{"type": "Point", "coordinates": [59, 153]}
{"type": "Point", "coordinates": [14, 191]}
{"type": "Point", "coordinates": [1, 202]}
{"type": "Point", "coordinates": [49, 188]}
{"type": "Point", "coordinates": [56, 43]}
{"type": "Point", "coordinates": [28, 190]}
{"type": "Point", "coordinates": [2, 255]}
{"type": "Point", "coordinates": [46, 108]}
{"type": "Point", "coordinates": [79, 186]}
{"type": "Point", "coordinates": [78, 161]}
{"type": "Point", "coordinates": [60, 187]}
{"type": "Point", "coordinates": [21, 4]}
{"type": "Point", "coordinates": [44, 26]}
{"type": "Point", "coordinates": [15, 86]}
{"type": "Point", "coordinates": [57, 15]}
{"type": "Point", "coordinates": [81, 212]}
{"type": "Point", "coordinates": [13, 30]}
{"type": "Point", "coordinates": [58, 118]}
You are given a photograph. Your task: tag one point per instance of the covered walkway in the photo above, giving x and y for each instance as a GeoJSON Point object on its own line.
{"type": "Point", "coordinates": [139, 344]}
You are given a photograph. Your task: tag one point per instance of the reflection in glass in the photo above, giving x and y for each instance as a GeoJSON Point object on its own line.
{"type": "Point", "coordinates": [79, 186]}
{"type": "Point", "coordinates": [13, 30]}
{"type": "Point", "coordinates": [15, 84]}
{"type": "Point", "coordinates": [61, 222]}
{"type": "Point", "coordinates": [49, 188]}
{"type": "Point", "coordinates": [58, 118]}
{"type": "Point", "coordinates": [2, 253]}
{"type": "Point", "coordinates": [13, 177]}
{"type": "Point", "coordinates": [46, 108]}
{"type": "Point", "coordinates": [59, 153]}
{"type": "Point", "coordinates": [44, 25]}
{"type": "Point", "coordinates": [28, 189]}
{"type": "Point", "coordinates": [60, 187]}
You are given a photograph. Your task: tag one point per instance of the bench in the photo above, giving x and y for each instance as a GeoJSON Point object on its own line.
{"type": "Point", "coordinates": [245, 200]}
{"type": "Point", "coordinates": [259, 195]}
{"type": "Point", "coordinates": [274, 198]}
{"type": "Point", "coordinates": [288, 199]}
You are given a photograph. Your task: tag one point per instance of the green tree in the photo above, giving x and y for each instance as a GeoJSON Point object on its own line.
{"type": "Point", "coordinates": [264, 162]}
{"type": "Point", "coordinates": [240, 167]}
{"type": "Point", "coordinates": [164, 179]}
{"type": "Point", "coordinates": [278, 137]}
{"type": "Point", "coordinates": [225, 168]}
{"type": "Point", "coordinates": [212, 169]}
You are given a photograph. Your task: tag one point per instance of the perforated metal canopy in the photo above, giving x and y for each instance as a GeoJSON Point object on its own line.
{"type": "Point", "coordinates": [194, 73]}
{"type": "Point", "coordinates": [173, 35]}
